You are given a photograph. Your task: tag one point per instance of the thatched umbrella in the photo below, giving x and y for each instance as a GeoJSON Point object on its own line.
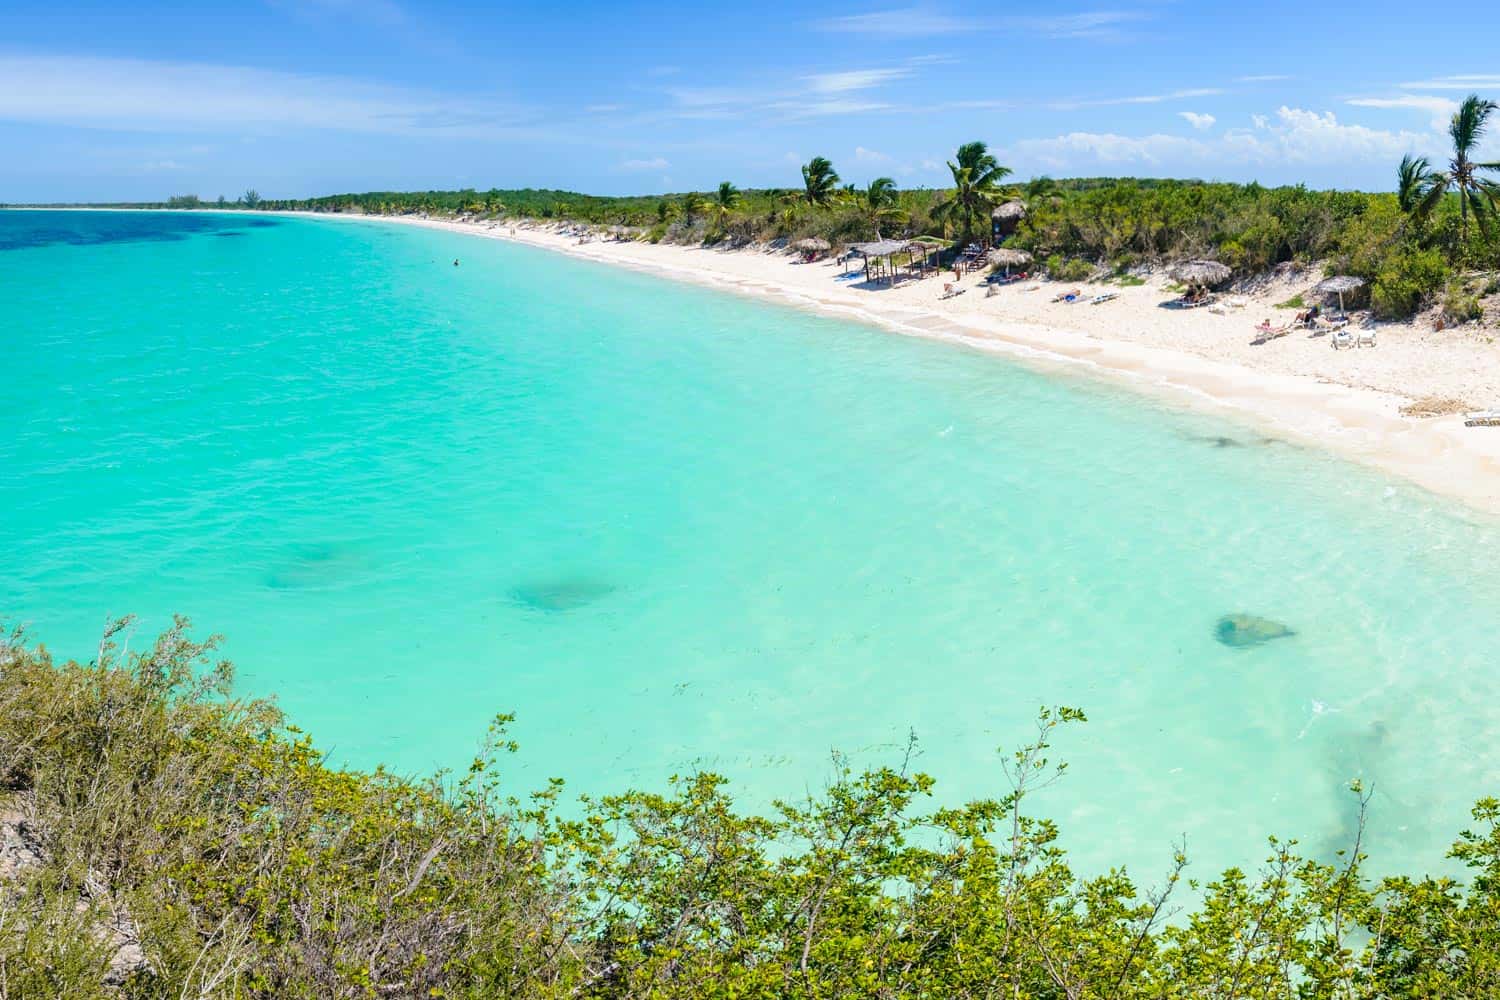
{"type": "Point", "coordinates": [1011, 211]}
{"type": "Point", "coordinates": [1338, 285]}
{"type": "Point", "coordinates": [1204, 273]}
{"type": "Point", "coordinates": [813, 244]}
{"type": "Point", "coordinates": [1008, 258]}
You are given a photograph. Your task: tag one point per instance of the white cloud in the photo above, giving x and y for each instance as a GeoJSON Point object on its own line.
{"type": "Point", "coordinates": [1093, 24]}
{"type": "Point", "coordinates": [1262, 78]}
{"type": "Point", "coordinates": [1063, 151]}
{"type": "Point", "coordinates": [1196, 120]}
{"type": "Point", "coordinates": [824, 95]}
{"type": "Point", "coordinates": [1470, 81]}
{"type": "Point", "coordinates": [854, 79]}
{"type": "Point", "coordinates": [141, 95]}
{"type": "Point", "coordinates": [1105, 102]}
{"type": "Point", "coordinates": [1440, 108]}
{"type": "Point", "coordinates": [1295, 135]}
{"type": "Point", "coordinates": [1310, 137]}
{"type": "Point", "coordinates": [864, 155]}
{"type": "Point", "coordinates": [655, 163]}
{"type": "Point", "coordinates": [908, 22]}
{"type": "Point", "coordinates": [925, 21]}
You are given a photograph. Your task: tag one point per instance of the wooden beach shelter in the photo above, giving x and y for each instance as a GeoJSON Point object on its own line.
{"type": "Point", "coordinates": [881, 264]}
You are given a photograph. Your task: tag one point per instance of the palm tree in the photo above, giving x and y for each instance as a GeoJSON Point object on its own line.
{"type": "Point", "coordinates": [819, 181]}
{"type": "Point", "coordinates": [725, 199]}
{"type": "Point", "coordinates": [976, 180]}
{"type": "Point", "coordinates": [877, 203]}
{"type": "Point", "coordinates": [1413, 178]}
{"type": "Point", "coordinates": [691, 206]}
{"type": "Point", "coordinates": [1424, 188]}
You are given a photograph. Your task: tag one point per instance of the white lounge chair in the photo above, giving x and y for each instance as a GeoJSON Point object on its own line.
{"type": "Point", "coordinates": [1364, 337]}
{"type": "Point", "coordinates": [1483, 418]}
{"type": "Point", "coordinates": [1342, 338]}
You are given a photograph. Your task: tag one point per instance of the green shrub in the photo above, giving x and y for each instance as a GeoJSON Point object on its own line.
{"type": "Point", "coordinates": [1405, 281]}
{"type": "Point", "coordinates": [1060, 268]}
{"type": "Point", "coordinates": [254, 870]}
{"type": "Point", "coordinates": [656, 232]}
{"type": "Point", "coordinates": [1295, 302]}
{"type": "Point", "coordinates": [1460, 305]}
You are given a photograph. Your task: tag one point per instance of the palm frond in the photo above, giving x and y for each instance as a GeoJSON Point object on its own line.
{"type": "Point", "coordinates": [1432, 197]}
{"type": "Point", "coordinates": [1469, 124]}
{"type": "Point", "coordinates": [1413, 179]}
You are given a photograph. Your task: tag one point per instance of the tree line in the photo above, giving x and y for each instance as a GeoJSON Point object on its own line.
{"type": "Point", "coordinates": [1435, 240]}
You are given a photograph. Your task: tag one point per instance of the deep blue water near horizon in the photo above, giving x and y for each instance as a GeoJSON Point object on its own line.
{"type": "Point", "coordinates": [670, 528]}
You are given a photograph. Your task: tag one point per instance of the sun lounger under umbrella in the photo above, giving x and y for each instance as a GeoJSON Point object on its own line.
{"type": "Point", "coordinates": [1340, 285]}
{"type": "Point", "coordinates": [1199, 275]}
{"type": "Point", "coordinates": [1007, 257]}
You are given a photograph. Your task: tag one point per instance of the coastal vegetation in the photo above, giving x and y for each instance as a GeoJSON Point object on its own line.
{"type": "Point", "coordinates": [160, 837]}
{"type": "Point", "coordinates": [1432, 242]}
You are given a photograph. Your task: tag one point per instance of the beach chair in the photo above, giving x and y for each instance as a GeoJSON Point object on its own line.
{"type": "Point", "coordinates": [1342, 338]}
{"type": "Point", "coordinates": [1072, 296]}
{"type": "Point", "coordinates": [1266, 332]}
{"type": "Point", "coordinates": [1483, 418]}
{"type": "Point", "coordinates": [1364, 337]}
{"type": "Point", "coordinates": [1103, 297]}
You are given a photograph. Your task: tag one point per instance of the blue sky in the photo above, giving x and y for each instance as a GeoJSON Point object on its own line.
{"type": "Point", "coordinates": [302, 97]}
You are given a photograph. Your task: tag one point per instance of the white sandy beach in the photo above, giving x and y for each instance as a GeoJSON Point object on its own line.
{"type": "Point", "coordinates": [1298, 387]}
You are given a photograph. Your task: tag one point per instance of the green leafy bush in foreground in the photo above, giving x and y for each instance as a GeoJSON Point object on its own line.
{"type": "Point", "coordinates": [244, 866]}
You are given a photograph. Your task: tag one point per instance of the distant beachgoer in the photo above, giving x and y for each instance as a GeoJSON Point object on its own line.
{"type": "Point", "coordinates": [455, 261]}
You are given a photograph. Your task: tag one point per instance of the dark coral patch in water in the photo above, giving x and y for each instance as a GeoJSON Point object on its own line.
{"type": "Point", "coordinates": [561, 595]}
{"type": "Point", "coordinates": [313, 566]}
{"type": "Point", "coordinates": [1242, 630]}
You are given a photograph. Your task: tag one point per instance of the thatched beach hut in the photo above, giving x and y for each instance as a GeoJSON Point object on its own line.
{"type": "Point", "coordinates": [1005, 218]}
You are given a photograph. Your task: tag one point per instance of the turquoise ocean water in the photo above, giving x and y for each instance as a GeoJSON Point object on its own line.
{"type": "Point", "coordinates": [671, 527]}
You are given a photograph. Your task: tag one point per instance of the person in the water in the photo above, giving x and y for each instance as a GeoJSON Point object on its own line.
{"type": "Point", "coordinates": [455, 261]}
